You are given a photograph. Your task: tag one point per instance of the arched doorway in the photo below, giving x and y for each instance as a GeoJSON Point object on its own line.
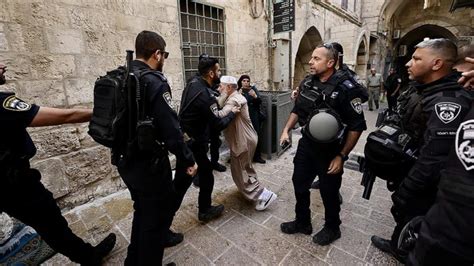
{"type": "Point", "coordinates": [361, 64]}
{"type": "Point", "coordinates": [405, 47]}
{"type": "Point", "coordinates": [310, 40]}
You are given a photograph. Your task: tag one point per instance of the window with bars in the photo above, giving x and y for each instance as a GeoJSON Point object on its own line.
{"type": "Point", "coordinates": [202, 31]}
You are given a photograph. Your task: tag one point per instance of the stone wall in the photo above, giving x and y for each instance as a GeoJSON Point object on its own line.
{"type": "Point", "coordinates": [333, 24]}
{"type": "Point", "coordinates": [459, 22]}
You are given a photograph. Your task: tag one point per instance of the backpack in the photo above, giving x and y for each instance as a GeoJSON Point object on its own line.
{"type": "Point", "coordinates": [108, 125]}
{"type": "Point", "coordinates": [390, 151]}
{"type": "Point", "coordinates": [118, 117]}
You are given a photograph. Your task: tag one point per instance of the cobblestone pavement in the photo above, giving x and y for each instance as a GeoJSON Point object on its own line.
{"type": "Point", "coordinates": [243, 236]}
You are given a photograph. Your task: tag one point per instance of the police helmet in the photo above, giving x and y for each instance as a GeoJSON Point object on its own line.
{"type": "Point", "coordinates": [325, 126]}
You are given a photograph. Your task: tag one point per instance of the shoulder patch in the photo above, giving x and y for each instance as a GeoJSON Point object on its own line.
{"type": "Point", "coordinates": [356, 104]}
{"type": "Point", "coordinates": [348, 84]}
{"type": "Point", "coordinates": [12, 103]}
{"type": "Point", "coordinates": [465, 144]}
{"type": "Point", "coordinates": [168, 100]}
{"type": "Point", "coordinates": [214, 109]}
{"type": "Point", "coordinates": [447, 111]}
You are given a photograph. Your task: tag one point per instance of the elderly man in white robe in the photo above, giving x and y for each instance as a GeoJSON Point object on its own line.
{"type": "Point", "coordinates": [242, 140]}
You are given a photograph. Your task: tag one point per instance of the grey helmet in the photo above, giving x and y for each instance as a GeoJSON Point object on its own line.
{"type": "Point", "coordinates": [325, 126]}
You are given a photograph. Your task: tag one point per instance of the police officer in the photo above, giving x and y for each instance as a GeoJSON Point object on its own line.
{"type": "Point", "coordinates": [333, 90]}
{"type": "Point", "coordinates": [147, 172]}
{"type": "Point", "coordinates": [22, 195]}
{"type": "Point", "coordinates": [346, 72]}
{"type": "Point", "coordinates": [198, 113]}
{"type": "Point", "coordinates": [392, 87]}
{"type": "Point", "coordinates": [446, 236]}
{"type": "Point", "coordinates": [437, 114]}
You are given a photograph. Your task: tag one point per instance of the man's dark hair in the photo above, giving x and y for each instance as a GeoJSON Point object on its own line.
{"type": "Point", "coordinates": [332, 53]}
{"type": "Point", "coordinates": [203, 55]}
{"type": "Point", "coordinates": [206, 65]}
{"type": "Point", "coordinates": [147, 42]}
{"type": "Point", "coordinates": [340, 51]}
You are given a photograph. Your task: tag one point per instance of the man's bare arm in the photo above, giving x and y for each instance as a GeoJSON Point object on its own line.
{"type": "Point", "coordinates": [48, 116]}
{"type": "Point", "coordinates": [289, 125]}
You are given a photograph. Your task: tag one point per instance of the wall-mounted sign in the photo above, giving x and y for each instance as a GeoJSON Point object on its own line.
{"type": "Point", "coordinates": [283, 16]}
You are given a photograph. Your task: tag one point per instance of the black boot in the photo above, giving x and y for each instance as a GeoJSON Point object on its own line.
{"type": "Point", "coordinates": [315, 184]}
{"type": "Point", "coordinates": [218, 167]}
{"type": "Point", "coordinates": [259, 160]}
{"type": "Point", "coordinates": [173, 239]}
{"type": "Point", "coordinates": [385, 246]}
{"type": "Point", "coordinates": [211, 213]}
{"type": "Point", "coordinates": [294, 227]}
{"type": "Point", "coordinates": [326, 236]}
{"type": "Point", "coordinates": [101, 250]}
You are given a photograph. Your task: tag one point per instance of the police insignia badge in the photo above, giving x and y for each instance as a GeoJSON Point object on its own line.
{"type": "Point", "coordinates": [447, 111]}
{"type": "Point", "coordinates": [12, 103]}
{"type": "Point", "coordinates": [356, 104]}
{"type": "Point", "coordinates": [465, 144]}
{"type": "Point", "coordinates": [214, 109]}
{"type": "Point", "coordinates": [168, 100]}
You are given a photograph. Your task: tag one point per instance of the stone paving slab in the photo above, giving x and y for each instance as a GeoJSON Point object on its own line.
{"type": "Point", "coordinates": [243, 236]}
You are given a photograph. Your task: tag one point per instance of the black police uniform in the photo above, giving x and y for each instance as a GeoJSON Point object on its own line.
{"type": "Point", "coordinates": [198, 113]}
{"type": "Point", "coordinates": [313, 158]}
{"type": "Point", "coordinates": [22, 195]}
{"type": "Point", "coordinates": [148, 174]}
{"type": "Point", "coordinates": [391, 84]}
{"type": "Point", "coordinates": [255, 116]}
{"type": "Point", "coordinates": [215, 137]}
{"type": "Point", "coordinates": [443, 105]}
{"type": "Point", "coordinates": [446, 236]}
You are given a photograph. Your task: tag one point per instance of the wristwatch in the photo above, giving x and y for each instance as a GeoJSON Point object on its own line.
{"type": "Point", "coordinates": [343, 156]}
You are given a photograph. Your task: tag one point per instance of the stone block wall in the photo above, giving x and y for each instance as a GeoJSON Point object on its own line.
{"type": "Point", "coordinates": [459, 22]}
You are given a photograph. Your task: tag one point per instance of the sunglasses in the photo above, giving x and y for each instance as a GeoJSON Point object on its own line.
{"type": "Point", "coordinates": [328, 46]}
{"type": "Point", "coordinates": [164, 53]}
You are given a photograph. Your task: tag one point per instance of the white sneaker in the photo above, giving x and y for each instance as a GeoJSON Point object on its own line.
{"type": "Point", "coordinates": [265, 199]}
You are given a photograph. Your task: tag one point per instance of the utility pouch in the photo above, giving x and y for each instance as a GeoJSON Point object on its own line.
{"type": "Point", "coordinates": [145, 137]}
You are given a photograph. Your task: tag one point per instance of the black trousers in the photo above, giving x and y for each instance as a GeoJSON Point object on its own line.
{"type": "Point", "coordinates": [216, 143]}
{"type": "Point", "coordinates": [25, 198]}
{"type": "Point", "coordinates": [392, 101]}
{"type": "Point", "coordinates": [446, 235]}
{"type": "Point", "coordinates": [429, 251]}
{"type": "Point", "coordinates": [311, 160]}
{"type": "Point", "coordinates": [150, 183]}
{"type": "Point", "coordinates": [182, 181]}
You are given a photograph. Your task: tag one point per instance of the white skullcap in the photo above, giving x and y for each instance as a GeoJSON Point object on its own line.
{"type": "Point", "coordinates": [228, 80]}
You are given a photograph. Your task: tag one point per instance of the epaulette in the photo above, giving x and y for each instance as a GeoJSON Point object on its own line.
{"type": "Point", "coordinates": [348, 84]}
{"type": "Point", "coordinates": [160, 75]}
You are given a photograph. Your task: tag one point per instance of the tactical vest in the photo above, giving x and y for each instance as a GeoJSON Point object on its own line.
{"type": "Point", "coordinates": [315, 99]}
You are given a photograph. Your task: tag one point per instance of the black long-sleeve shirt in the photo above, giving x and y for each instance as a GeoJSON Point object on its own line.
{"type": "Point", "coordinates": [199, 111]}
{"type": "Point", "coordinates": [165, 119]}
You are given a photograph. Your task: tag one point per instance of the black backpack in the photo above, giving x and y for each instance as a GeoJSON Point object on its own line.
{"type": "Point", "coordinates": [108, 125]}
{"type": "Point", "coordinates": [118, 118]}
{"type": "Point", "coordinates": [390, 151]}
